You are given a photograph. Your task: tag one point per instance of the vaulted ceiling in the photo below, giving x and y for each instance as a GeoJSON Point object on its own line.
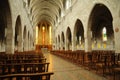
{"type": "Point", "coordinates": [44, 10]}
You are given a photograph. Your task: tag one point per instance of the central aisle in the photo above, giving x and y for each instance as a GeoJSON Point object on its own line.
{"type": "Point", "coordinates": [64, 70]}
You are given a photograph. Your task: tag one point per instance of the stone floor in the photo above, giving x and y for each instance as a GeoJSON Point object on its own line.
{"type": "Point", "coordinates": [65, 70]}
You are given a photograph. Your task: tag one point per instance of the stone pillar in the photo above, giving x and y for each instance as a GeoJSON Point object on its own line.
{"type": "Point", "coordinates": [33, 45]}
{"type": "Point", "coordinates": [20, 43]}
{"type": "Point", "coordinates": [116, 27]}
{"type": "Point", "coordinates": [54, 46]}
{"type": "Point", "coordinates": [61, 45]}
{"type": "Point", "coordinates": [3, 47]}
{"type": "Point", "coordinates": [73, 44]}
{"type": "Point", "coordinates": [0, 46]}
{"type": "Point", "coordinates": [57, 46]}
{"type": "Point", "coordinates": [30, 44]}
{"type": "Point", "coordinates": [88, 42]}
{"type": "Point", "coordinates": [9, 42]}
{"type": "Point", "coordinates": [26, 43]}
{"type": "Point", "coordinates": [66, 44]}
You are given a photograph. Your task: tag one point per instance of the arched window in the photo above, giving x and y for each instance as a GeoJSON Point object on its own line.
{"type": "Point", "coordinates": [62, 13]}
{"type": "Point", "coordinates": [50, 35]}
{"type": "Point", "coordinates": [80, 40]}
{"type": "Point", "coordinates": [67, 4]}
{"type": "Point", "coordinates": [104, 35]}
{"type": "Point", "coordinates": [56, 19]}
{"type": "Point", "coordinates": [28, 2]}
{"type": "Point", "coordinates": [37, 35]}
{"type": "Point", "coordinates": [43, 35]}
{"type": "Point", "coordinates": [25, 3]}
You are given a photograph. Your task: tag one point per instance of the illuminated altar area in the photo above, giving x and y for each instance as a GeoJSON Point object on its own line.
{"type": "Point", "coordinates": [43, 36]}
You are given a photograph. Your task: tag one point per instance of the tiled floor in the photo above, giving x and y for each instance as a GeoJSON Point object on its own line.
{"type": "Point", "coordinates": [64, 70]}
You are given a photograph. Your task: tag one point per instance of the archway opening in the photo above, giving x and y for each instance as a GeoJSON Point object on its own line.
{"type": "Point", "coordinates": [24, 38]}
{"type": "Point", "coordinates": [100, 23]}
{"type": "Point", "coordinates": [28, 40]}
{"type": "Point", "coordinates": [59, 41]}
{"type": "Point", "coordinates": [18, 35]}
{"type": "Point", "coordinates": [63, 41]}
{"type": "Point", "coordinates": [79, 35]}
{"type": "Point", "coordinates": [5, 27]}
{"type": "Point", "coordinates": [69, 39]}
{"type": "Point", "coordinates": [56, 42]}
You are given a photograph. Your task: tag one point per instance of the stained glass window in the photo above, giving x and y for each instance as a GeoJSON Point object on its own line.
{"type": "Point", "coordinates": [68, 4]}
{"type": "Point", "coordinates": [104, 35]}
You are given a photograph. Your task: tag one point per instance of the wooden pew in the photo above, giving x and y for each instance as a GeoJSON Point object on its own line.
{"type": "Point", "coordinates": [32, 76]}
{"type": "Point", "coordinates": [116, 67]}
{"type": "Point", "coordinates": [23, 68]}
{"type": "Point", "coordinates": [39, 60]}
{"type": "Point", "coordinates": [23, 56]}
{"type": "Point", "coordinates": [24, 65]}
{"type": "Point", "coordinates": [105, 61]}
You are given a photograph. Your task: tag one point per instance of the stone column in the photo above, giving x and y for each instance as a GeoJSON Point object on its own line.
{"type": "Point", "coordinates": [0, 46]}
{"type": "Point", "coordinates": [73, 44]}
{"type": "Point", "coordinates": [116, 27]}
{"type": "Point", "coordinates": [60, 46]}
{"type": "Point", "coordinates": [3, 47]}
{"type": "Point", "coordinates": [20, 43]}
{"type": "Point", "coordinates": [66, 44]}
{"type": "Point", "coordinates": [57, 46]}
{"type": "Point", "coordinates": [9, 42]}
{"type": "Point", "coordinates": [30, 43]}
{"type": "Point", "coordinates": [54, 46]}
{"type": "Point", "coordinates": [26, 43]}
{"type": "Point", "coordinates": [88, 42]}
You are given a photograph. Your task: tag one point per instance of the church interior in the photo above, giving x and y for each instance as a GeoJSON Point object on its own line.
{"type": "Point", "coordinates": [59, 40]}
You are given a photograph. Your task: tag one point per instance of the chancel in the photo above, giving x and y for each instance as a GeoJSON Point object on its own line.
{"type": "Point", "coordinates": [59, 40]}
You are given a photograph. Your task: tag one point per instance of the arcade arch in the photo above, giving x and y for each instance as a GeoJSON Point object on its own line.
{"type": "Point", "coordinates": [18, 35]}
{"type": "Point", "coordinates": [24, 38]}
{"type": "Point", "coordinates": [101, 18]}
{"type": "Point", "coordinates": [6, 30]}
{"type": "Point", "coordinates": [78, 35]}
{"type": "Point", "coordinates": [59, 41]}
{"type": "Point", "coordinates": [62, 41]}
{"type": "Point", "coordinates": [68, 39]}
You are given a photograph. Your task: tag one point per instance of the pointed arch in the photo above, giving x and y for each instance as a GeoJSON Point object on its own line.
{"type": "Point", "coordinates": [6, 30]}
{"type": "Point", "coordinates": [101, 17]}
{"type": "Point", "coordinates": [78, 34]}
{"type": "Point", "coordinates": [24, 37]}
{"type": "Point", "coordinates": [62, 40]}
{"type": "Point", "coordinates": [18, 35]}
{"type": "Point", "coordinates": [68, 38]}
{"type": "Point", "coordinates": [59, 41]}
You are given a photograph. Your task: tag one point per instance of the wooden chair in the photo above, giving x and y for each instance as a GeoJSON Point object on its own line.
{"type": "Point", "coordinates": [87, 60]}
{"type": "Point", "coordinates": [101, 63]}
{"type": "Point", "coordinates": [116, 67]}
{"type": "Point", "coordinates": [31, 76]}
{"type": "Point", "coordinates": [13, 64]}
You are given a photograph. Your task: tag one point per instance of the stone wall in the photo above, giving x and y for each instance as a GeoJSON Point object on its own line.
{"type": "Point", "coordinates": [81, 10]}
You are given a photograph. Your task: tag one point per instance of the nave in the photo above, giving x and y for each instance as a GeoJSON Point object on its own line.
{"type": "Point", "coordinates": [84, 32]}
{"type": "Point", "coordinates": [65, 70]}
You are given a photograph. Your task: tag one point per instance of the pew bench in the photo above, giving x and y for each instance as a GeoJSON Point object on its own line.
{"type": "Point", "coordinates": [31, 76]}
{"type": "Point", "coordinates": [39, 60]}
{"type": "Point", "coordinates": [23, 68]}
